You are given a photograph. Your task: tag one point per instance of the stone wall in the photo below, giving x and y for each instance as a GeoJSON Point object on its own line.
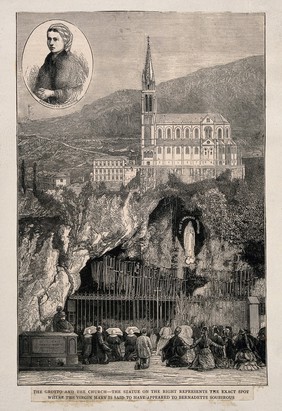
{"type": "Point", "coordinates": [151, 177]}
{"type": "Point", "coordinates": [211, 312]}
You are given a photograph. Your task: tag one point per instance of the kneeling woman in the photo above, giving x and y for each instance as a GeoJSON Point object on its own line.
{"type": "Point", "coordinates": [100, 350]}
{"type": "Point", "coordinates": [204, 359]}
{"type": "Point", "coordinates": [130, 347]}
{"type": "Point", "coordinates": [114, 342]}
{"type": "Point", "coordinates": [174, 350]}
{"type": "Point", "coordinates": [246, 356]}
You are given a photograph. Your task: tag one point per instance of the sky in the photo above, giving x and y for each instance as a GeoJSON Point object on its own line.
{"type": "Point", "coordinates": [181, 43]}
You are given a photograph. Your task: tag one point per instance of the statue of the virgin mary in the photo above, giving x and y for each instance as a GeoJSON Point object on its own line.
{"type": "Point", "coordinates": [189, 243]}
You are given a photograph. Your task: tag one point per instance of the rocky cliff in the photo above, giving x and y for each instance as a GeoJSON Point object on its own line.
{"type": "Point", "coordinates": [60, 231]}
{"type": "Point", "coordinates": [55, 246]}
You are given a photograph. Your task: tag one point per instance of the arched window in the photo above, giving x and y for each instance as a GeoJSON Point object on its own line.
{"type": "Point", "coordinates": [168, 133]}
{"type": "Point", "coordinates": [187, 151]}
{"type": "Point", "coordinates": [227, 133]}
{"type": "Point", "coordinates": [160, 133]}
{"type": "Point", "coordinates": [168, 150]}
{"type": "Point", "coordinates": [196, 150]}
{"type": "Point", "coordinates": [177, 150]}
{"type": "Point", "coordinates": [150, 103]}
{"type": "Point", "coordinates": [178, 133]}
{"type": "Point", "coordinates": [219, 133]}
{"type": "Point", "coordinates": [159, 150]}
{"type": "Point", "coordinates": [187, 133]}
{"type": "Point", "coordinates": [196, 133]}
{"type": "Point", "coordinates": [208, 132]}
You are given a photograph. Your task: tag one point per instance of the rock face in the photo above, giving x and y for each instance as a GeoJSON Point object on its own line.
{"type": "Point", "coordinates": [51, 252]}
{"type": "Point", "coordinates": [43, 283]}
{"type": "Point", "coordinates": [53, 249]}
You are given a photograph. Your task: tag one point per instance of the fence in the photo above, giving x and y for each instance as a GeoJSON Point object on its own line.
{"type": "Point", "coordinates": [132, 280]}
{"type": "Point", "coordinates": [127, 292]}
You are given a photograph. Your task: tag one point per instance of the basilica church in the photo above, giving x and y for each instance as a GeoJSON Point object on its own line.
{"type": "Point", "coordinates": [192, 146]}
{"type": "Point", "coordinates": [195, 146]}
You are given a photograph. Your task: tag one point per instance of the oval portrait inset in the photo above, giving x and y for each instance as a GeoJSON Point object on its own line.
{"type": "Point", "coordinates": [57, 64]}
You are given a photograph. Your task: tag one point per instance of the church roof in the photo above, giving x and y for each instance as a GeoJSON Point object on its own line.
{"type": "Point", "coordinates": [189, 118]}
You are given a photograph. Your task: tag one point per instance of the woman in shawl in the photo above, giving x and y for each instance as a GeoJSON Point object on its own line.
{"type": "Point", "coordinates": [114, 342]}
{"type": "Point", "coordinates": [229, 346]}
{"type": "Point", "coordinates": [87, 346]}
{"type": "Point", "coordinates": [165, 335]}
{"type": "Point", "coordinates": [130, 346]}
{"type": "Point", "coordinates": [186, 335]}
{"type": "Point", "coordinates": [60, 80]}
{"type": "Point", "coordinates": [204, 359]}
{"type": "Point", "coordinates": [246, 355]}
{"type": "Point", "coordinates": [100, 350]}
{"type": "Point", "coordinates": [174, 351]}
{"type": "Point", "coordinates": [218, 353]}
{"type": "Point", "coordinates": [261, 345]}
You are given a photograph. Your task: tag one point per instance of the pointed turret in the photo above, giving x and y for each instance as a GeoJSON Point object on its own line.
{"type": "Point", "coordinates": [149, 110]}
{"type": "Point", "coordinates": [148, 78]}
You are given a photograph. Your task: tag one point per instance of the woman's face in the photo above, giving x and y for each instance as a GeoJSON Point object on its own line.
{"type": "Point", "coordinates": [55, 42]}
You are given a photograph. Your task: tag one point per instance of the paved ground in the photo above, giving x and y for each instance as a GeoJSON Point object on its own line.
{"type": "Point", "coordinates": [123, 373]}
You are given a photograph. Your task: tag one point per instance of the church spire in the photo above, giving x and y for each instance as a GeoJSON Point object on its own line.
{"type": "Point", "coordinates": [148, 78]}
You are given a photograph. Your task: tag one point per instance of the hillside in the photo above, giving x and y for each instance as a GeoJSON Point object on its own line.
{"type": "Point", "coordinates": [112, 124]}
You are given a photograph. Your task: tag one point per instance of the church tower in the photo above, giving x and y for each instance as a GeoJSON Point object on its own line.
{"type": "Point", "coordinates": [149, 109]}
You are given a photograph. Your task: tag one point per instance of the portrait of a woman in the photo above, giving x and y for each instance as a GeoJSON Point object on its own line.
{"type": "Point", "coordinates": [60, 80]}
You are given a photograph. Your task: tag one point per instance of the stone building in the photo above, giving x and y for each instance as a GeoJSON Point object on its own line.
{"type": "Point", "coordinates": [113, 171]}
{"type": "Point", "coordinates": [54, 180]}
{"type": "Point", "coordinates": [192, 145]}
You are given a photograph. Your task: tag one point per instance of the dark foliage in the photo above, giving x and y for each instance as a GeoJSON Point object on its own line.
{"type": "Point", "coordinates": [23, 177]}
{"type": "Point", "coordinates": [193, 281]}
{"type": "Point", "coordinates": [254, 255]}
{"type": "Point", "coordinates": [34, 181]}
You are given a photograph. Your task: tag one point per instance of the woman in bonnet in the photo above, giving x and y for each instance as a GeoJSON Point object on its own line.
{"type": "Point", "coordinates": [60, 80]}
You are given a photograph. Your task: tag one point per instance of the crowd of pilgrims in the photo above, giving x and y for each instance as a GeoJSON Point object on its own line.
{"type": "Point", "coordinates": [199, 348]}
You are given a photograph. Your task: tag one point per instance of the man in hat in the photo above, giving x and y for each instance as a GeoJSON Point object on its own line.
{"type": "Point", "coordinates": [63, 326]}
{"type": "Point", "coordinates": [144, 350]}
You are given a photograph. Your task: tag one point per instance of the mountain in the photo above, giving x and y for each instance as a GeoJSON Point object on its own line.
{"type": "Point", "coordinates": [112, 124]}
{"type": "Point", "coordinates": [236, 90]}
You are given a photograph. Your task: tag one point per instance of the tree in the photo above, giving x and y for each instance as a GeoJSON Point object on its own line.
{"type": "Point", "coordinates": [34, 182]}
{"type": "Point", "coordinates": [23, 177]}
